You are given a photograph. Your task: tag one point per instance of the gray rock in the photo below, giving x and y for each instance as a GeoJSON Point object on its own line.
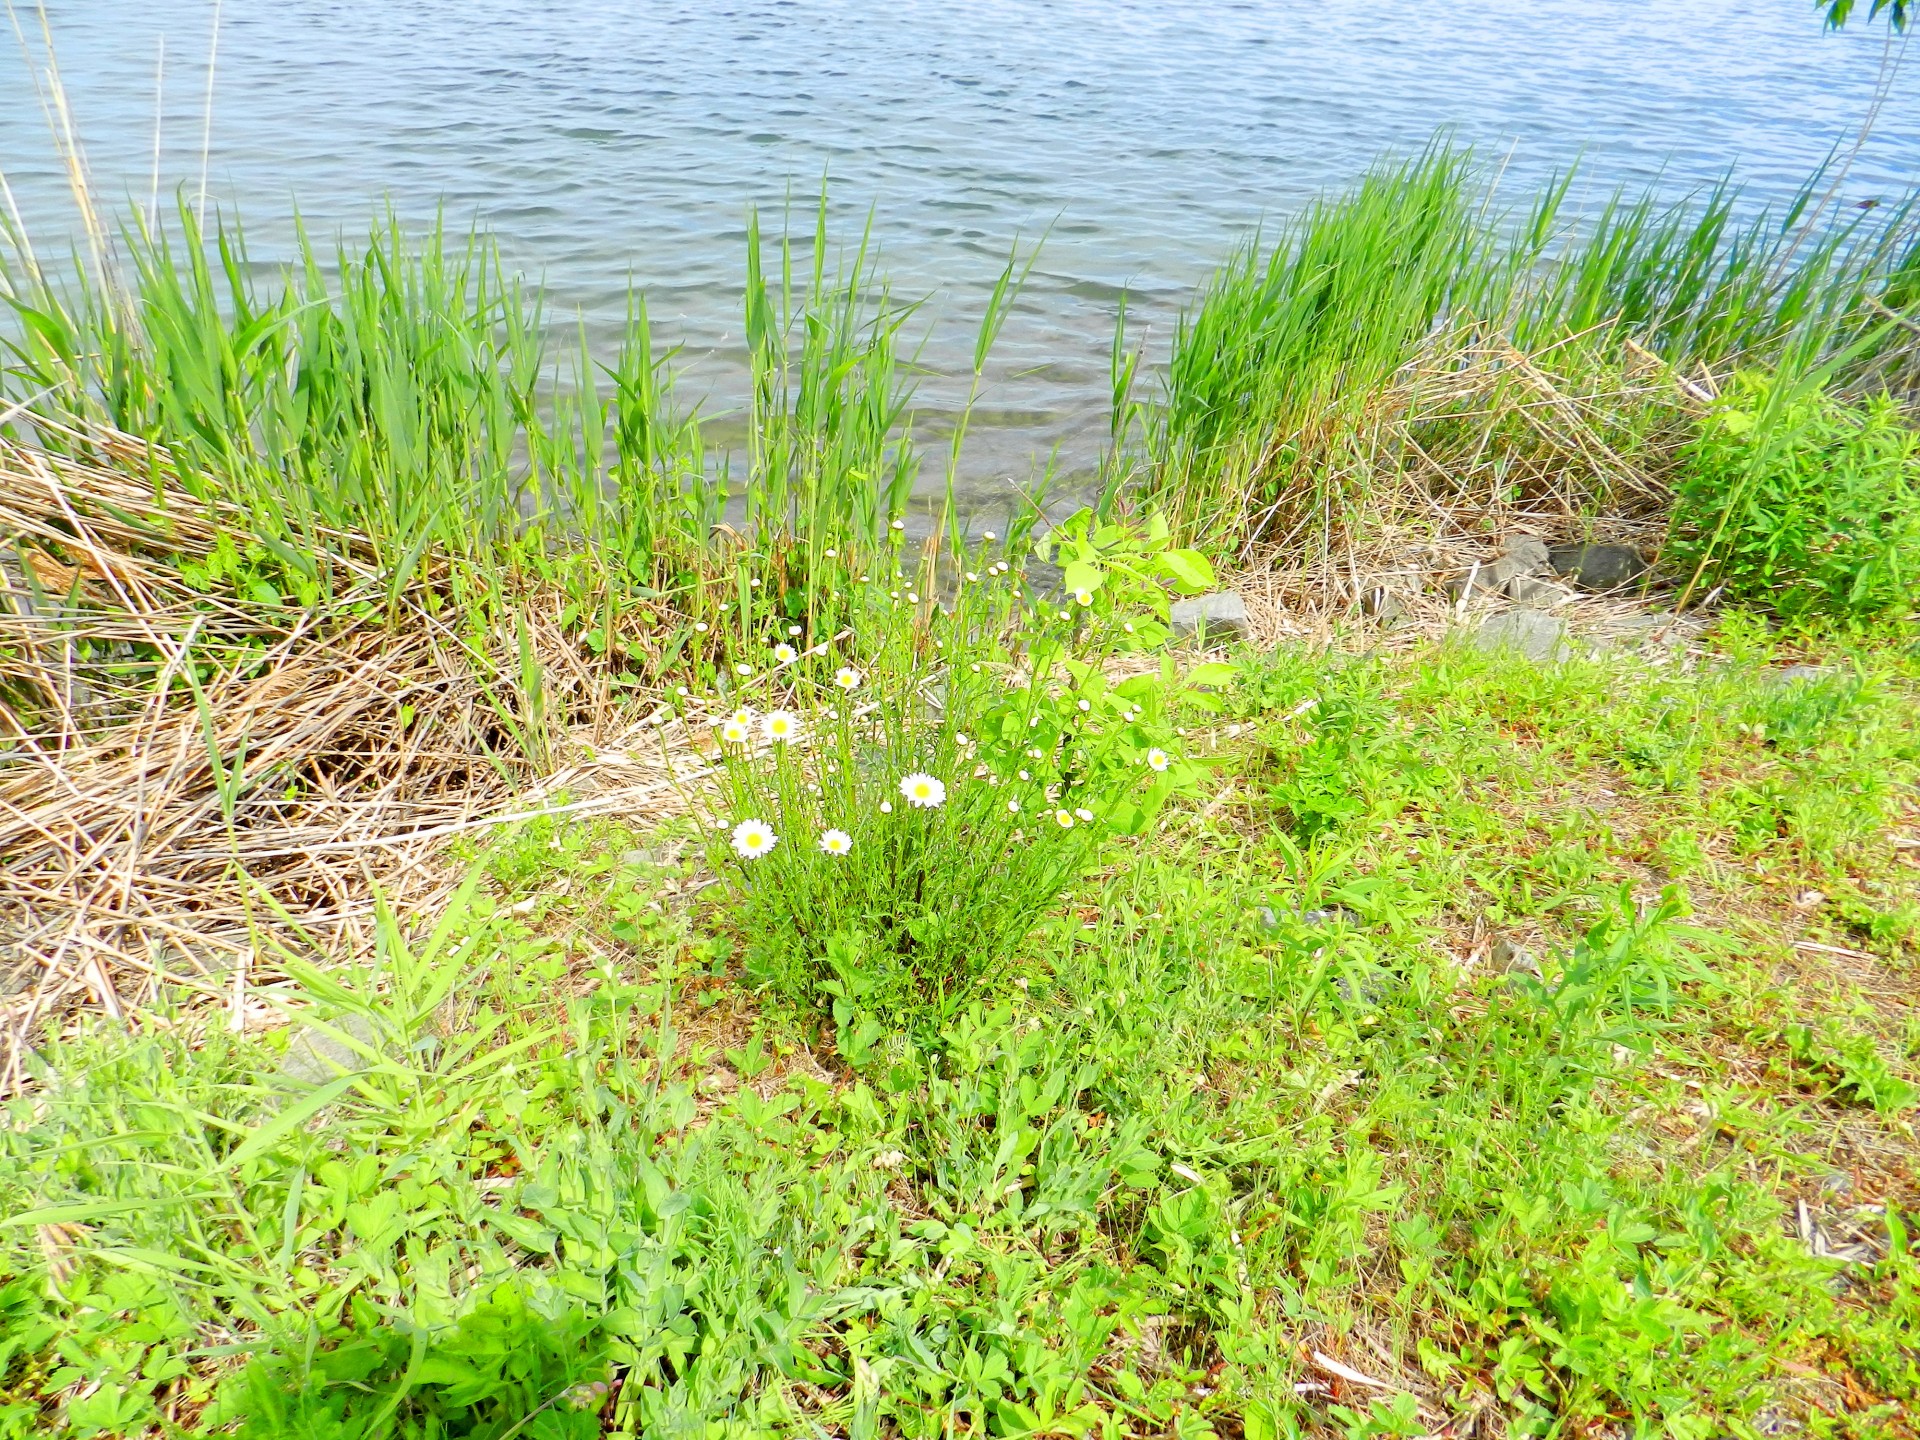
{"type": "Point", "coordinates": [1541, 638]}
{"type": "Point", "coordinates": [1526, 553]}
{"type": "Point", "coordinates": [1800, 675]}
{"type": "Point", "coordinates": [1044, 579]}
{"type": "Point", "coordinates": [315, 1057]}
{"type": "Point", "coordinates": [1538, 593]}
{"type": "Point", "coordinates": [1522, 556]}
{"type": "Point", "coordinates": [1318, 919]}
{"type": "Point", "coordinates": [1596, 566]}
{"type": "Point", "coordinates": [1223, 614]}
{"type": "Point", "coordinates": [1488, 579]}
{"type": "Point", "coordinates": [1507, 958]}
{"type": "Point", "coordinates": [1382, 604]}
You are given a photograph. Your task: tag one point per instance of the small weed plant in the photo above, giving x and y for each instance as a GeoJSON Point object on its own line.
{"type": "Point", "coordinates": [1808, 506]}
{"type": "Point", "coordinates": [911, 795]}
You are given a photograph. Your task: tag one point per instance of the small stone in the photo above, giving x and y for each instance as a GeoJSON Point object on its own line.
{"type": "Point", "coordinates": [1530, 590]}
{"type": "Point", "coordinates": [1489, 579]}
{"type": "Point", "coordinates": [1047, 580]}
{"type": "Point", "coordinates": [1799, 675]}
{"type": "Point", "coordinates": [1318, 919]}
{"type": "Point", "coordinates": [1333, 915]}
{"type": "Point", "coordinates": [1527, 553]}
{"type": "Point", "coordinates": [1597, 567]}
{"type": "Point", "coordinates": [1507, 958]}
{"type": "Point", "coordinates": [1652, 627]}
{"type": "Point", "coordinates": [315, 1057]}
{"type": "Point", "coordinates": [1222, 615]}
{"type": "Point", "coordinates": [1382, 604]}
{"type": "Point", "coordinates": [1539, 637]}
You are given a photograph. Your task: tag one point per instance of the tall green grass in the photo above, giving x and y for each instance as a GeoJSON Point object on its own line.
{"type": "Point", "coordinates": [1290, 365]}
{"type": "Point", "coordinates": [403, 403]}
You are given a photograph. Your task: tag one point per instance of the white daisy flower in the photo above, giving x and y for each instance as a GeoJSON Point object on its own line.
{"type": "Point", "coordinates": [913, 597]}
{"type": "Point", "coordinates": [923, 790]}
{"type": "Point", "coordinates": [886, 807]}
{"type": "Point", "coordinates": [1085, 705]}
{"type": "Point", "coordinates": [1157, 759]}
{"type": "Point", "coordinates": [700, 627]}
{"type": "Point", "coordinates": [836, 842]}
{"type": "Point", "coordinates": [1063, 819]}
{"type": "Point", "coordinates": [779, 725]}
{"type": "Point", "coordinates": [1084, 814]}
{"type": "Point", "coordinates": [753, 838]}
{"type": "Point", "coordinates": [1014, 805]}
{"type": "Point", "coordinates": [734, 732]}
{"type": "Point", "coordinates": [793, 629]}
{"type": "Point", "coordinates": [681, 690]}
{"type": "Point", "coordinates": [743, 671]}
{"type": "Point", "coordinates": [847, 678]}
{"type": "Point", "coordinates": [1083, 597]}
{"type": "Point", "coordinates": [1128, 627]}
{"type": "Point", "coordinates": [971, 577]}
{"type": "Point", "coordinates": [989, 534]}
{"type": "Point", "coordinates": [832, 554]}
{"type": "Point", "coordinates": [785, 653]}
{"type": "Point", "coordinates": [1025, 776]}
{"type": "Point", "coordinates": [899, 524]}
{"type": "Point", "coordinates": [753, 584]}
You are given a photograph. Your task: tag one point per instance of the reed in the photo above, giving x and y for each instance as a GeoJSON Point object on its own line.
{"type": "Point", "coordinates": [1296, 375]}
{"type": "Point", "coordinates": [408, 395]}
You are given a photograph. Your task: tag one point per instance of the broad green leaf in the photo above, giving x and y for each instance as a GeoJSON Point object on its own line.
{"type": "Point", "coordinates": [1189, 569]}
{"type": "Point", "coordinates": [1081, 575]}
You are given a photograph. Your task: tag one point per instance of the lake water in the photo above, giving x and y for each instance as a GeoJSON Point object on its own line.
{"type": "Point", "coordinates": [604, 141]}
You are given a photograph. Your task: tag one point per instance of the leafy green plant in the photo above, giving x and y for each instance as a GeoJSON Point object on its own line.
{"type": "Point", "coordinates": [508, 1368]}
{"type": "Point", "coordinates": [1852, 1063]}
{"type": "Point", "coordinates": [1816, 511]}
{"type": "Point", "coordinates": [917, 801]}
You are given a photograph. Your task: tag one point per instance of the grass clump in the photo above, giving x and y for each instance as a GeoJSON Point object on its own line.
{"type": "Point", "coordinates": [899, 814]}
{"type": "Point", "coordinates": [1307, 379]}
{"type": "Point", "coordinates": [1275, 370]}
{"type": "Point", "coordinates": [1807, 505]}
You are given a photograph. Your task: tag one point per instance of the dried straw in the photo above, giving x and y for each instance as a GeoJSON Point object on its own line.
{"type": "Point", "coordinates": [189, 784]}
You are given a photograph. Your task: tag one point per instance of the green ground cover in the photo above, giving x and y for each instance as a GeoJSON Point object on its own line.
{"type": "Point", "coordinates": [1038, 1031]}
{"type": "Point", "coordinates": [1254, 1112]}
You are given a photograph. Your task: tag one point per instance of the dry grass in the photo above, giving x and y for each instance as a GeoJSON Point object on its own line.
{"type": "Point", "coordinates": [1474, 444]}
{"type": "Point", "coordinates": [189, 782]}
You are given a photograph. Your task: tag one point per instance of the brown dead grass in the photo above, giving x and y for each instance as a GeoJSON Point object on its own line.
{"type": "Point", "coordinates": [189, 783]}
